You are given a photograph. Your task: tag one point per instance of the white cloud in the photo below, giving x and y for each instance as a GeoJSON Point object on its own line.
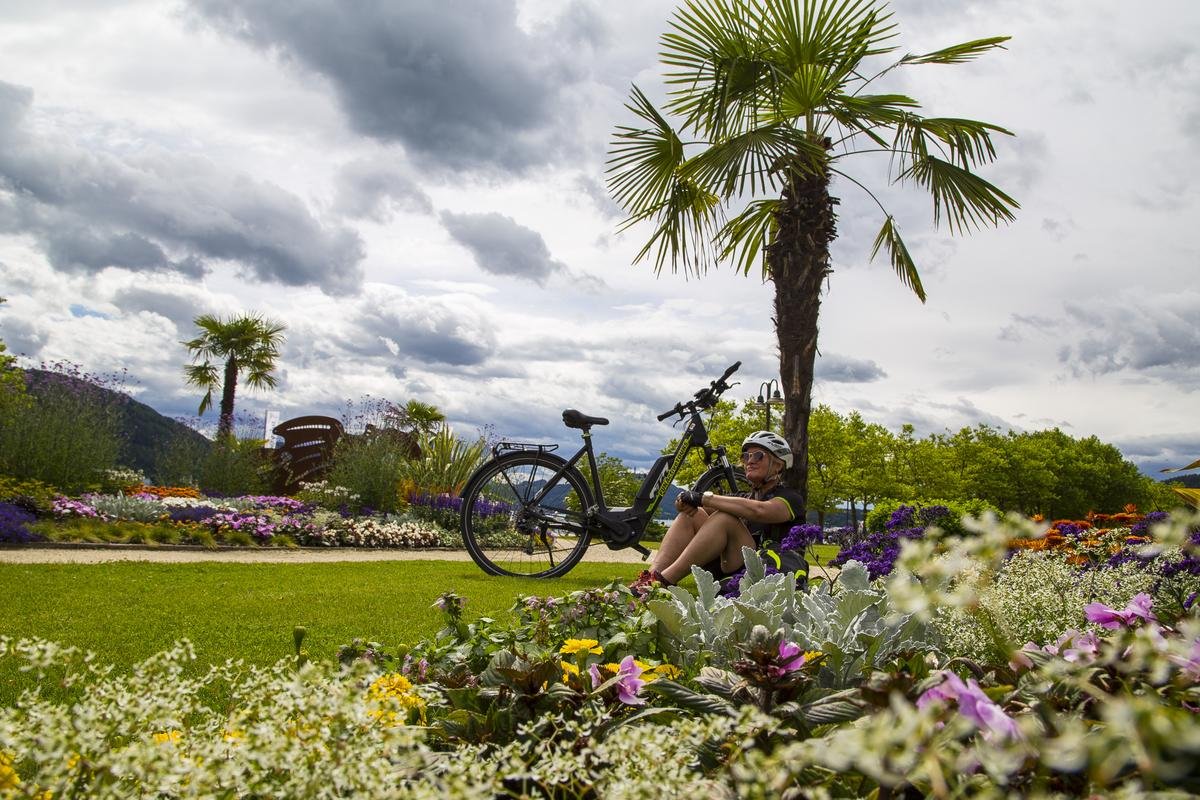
{"type": "Point", "coordinates": [159, 165]}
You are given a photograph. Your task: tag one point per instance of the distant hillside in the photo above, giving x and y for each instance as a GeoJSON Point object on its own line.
{"type": "Point", "coordinates": [1190, 481]}
{"type": "Point", "coordinates": [146, 435]}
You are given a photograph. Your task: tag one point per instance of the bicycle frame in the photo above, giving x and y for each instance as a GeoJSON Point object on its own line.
{"type": "Point", "coordinates": [626, 525]}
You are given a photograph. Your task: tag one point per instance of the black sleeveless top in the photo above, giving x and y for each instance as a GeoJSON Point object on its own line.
{"type": "Point", "coordinates": [765, 533]}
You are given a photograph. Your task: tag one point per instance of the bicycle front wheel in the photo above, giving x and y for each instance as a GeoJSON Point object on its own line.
{"type": "Point", "coordinates": [509, 531]}
{"type": "Point", "coordinates": [716, 480]}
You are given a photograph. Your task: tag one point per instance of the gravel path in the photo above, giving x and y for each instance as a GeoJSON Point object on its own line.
{"type": "Point", "coordinates": [95, 554]}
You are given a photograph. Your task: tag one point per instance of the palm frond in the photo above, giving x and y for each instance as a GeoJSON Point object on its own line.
{"type": "Point", "coordinates": [732, 165]}
{"type": "Point", "coordinates": [968, 201]}
{"type": "Point", "coordinates": [966, 142]}
{"type": "Point", "coordinates": [203, 376]}
{"type": "Point", "coordinates": [826, 31]}
{"type": "Point", "coordinates": [898, 255]}
{"type": "Point", "coordinates": [643, 161]}
{"type": "Point", "coordinates": [958, 53]}
{"type": "Point", "coordinates": [718, 66]}
{"type": "Point", "coordinates": [686, 223]}
{"type": "Point", "coordinates": [743, 239]}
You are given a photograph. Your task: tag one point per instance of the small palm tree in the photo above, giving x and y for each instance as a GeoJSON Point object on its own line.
{"type": "Point", "coordinates": [770, 98]}
{"type": "Point", "coordinates": [247, 344]}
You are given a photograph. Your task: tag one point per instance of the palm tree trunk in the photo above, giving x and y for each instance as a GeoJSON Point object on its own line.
{"type": "Point", "coordinates": [228, 390]}
{"type": "Point", "coordinates": [798, 260]}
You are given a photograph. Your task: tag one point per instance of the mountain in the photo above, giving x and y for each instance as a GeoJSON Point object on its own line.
{"type": "Point", "coordinates": [1190, 481]}
{"type": "Point", "coordinates": [146, 436]}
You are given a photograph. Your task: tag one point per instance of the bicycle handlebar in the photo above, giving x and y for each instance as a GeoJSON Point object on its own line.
{"type": "Point", "coordinates": [705, 398]}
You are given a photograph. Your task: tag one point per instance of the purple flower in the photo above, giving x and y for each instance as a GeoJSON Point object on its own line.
{"type": "Point", "coordinates": [973, 704]}
{"type": "Point", "coordinates": [1105, 617]}
{"type": "Point", "coordinates": [627, 681]}
{"type": "Point", "coordinates": [801, 536]}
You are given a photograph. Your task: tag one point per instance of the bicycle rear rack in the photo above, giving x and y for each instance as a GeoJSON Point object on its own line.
{"type": "Point", "coordinates": [510, 447]}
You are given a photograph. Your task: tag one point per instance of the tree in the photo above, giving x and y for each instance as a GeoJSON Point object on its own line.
{"type": "Point", "coordinates": [727, 425]}
{"type": "Point", "coordinates": [248, 344]}
{"type": "Point", "coordinates": [772, 97]}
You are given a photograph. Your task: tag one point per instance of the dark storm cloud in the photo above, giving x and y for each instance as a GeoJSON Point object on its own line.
{"type": "Point", "coordinates": [834, 368]}
{"type": "Point", "coordinates": [369, 190]}
{"type": "Point", "coordinates": [460, 85]}
{"type": "Point", "coordinates": [428, 330]}
{"type": "Point", "coordinates": [501, 246]}
{"type": "Point", "coordinates": [1152, 454]}
{"type": "Point", "coordinates": [1157, 339]}
{"type": "Point", "coordinates": [156, 210]}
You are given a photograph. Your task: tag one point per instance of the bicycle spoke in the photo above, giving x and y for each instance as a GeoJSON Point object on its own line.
{"type": "Point", "coordinates": [506, 533]}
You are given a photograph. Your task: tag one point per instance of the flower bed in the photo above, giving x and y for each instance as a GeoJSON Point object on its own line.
{"type": "Point", "coordinates": [851, 689]}
{"type": "Point", "coordinates": [182, 516]}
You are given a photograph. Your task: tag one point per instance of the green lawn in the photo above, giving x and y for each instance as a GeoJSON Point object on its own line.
{"type": "Point", "coordinates": [126, 611]}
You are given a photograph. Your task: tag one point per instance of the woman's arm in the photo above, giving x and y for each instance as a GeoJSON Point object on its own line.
{"type": "Point", "coordinates": [769, 511]}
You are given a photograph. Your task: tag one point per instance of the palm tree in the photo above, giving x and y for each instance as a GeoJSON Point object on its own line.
{"type": "Point", "coordinates": [773, 97]}
{"type": "Point", "coordinates": [248, 344]}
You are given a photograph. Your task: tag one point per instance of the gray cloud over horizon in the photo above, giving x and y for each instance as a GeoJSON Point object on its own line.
{"type": "Point", "coordinates": [158, 210]}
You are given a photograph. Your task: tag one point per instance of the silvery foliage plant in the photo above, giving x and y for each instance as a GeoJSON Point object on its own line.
{"type": "Point", "coordinates": [850, 620]}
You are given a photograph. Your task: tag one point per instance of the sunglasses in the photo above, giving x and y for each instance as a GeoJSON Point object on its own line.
{"type": "Point", "coordinates": [753, 456]}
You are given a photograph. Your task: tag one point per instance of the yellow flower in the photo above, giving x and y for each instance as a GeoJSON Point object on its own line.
{"type": "Point", "coordinates": [668, 671]}
{"type": "Point", "coordinates": [72, 761]}
{"type": "Point", "coordinates": [569, 671]}
{"type": "Point", "coordinates": [391, 691]}
{"type": "Point", "coordinates": [812, 655]}
{"type": "Point", "coordinates": [572, 646]}
{"type": "Point", "coordinates": [9, 779]}
{"type": "Point", "coordinates": [168, 737]}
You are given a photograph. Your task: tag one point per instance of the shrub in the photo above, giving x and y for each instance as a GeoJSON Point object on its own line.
{"type": "Point", "coordinates": [368, 466]}
{"type": "Point", "coordinates": [120, 479]}
{"type": "Point", "coordinates": [32, 495]}
{"type": "Point", "coordinates": [235, 467]}
{"type": "Point", "coordinates": [181, 461]}
{"type": "Point", "coordinates": [445, 465]}
{"type": "Point", "coordinates": [69, 431]}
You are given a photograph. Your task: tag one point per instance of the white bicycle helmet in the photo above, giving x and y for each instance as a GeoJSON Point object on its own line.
{"type": "Point", "coordinates": [773, 443]}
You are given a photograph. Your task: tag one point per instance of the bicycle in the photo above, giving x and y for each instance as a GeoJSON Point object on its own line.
{"type": "Point", "coordinates": [530, 513]}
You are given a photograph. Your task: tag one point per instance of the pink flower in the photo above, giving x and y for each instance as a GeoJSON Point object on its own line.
{"type": "Point", "coordinates": [1105, 617]}
{"type": "Point", "coordinates": [1190, 666]}
{"type": "Point", "coordinates": [974, 705]}
{"type": "Point", "coordinates": [791, 658]}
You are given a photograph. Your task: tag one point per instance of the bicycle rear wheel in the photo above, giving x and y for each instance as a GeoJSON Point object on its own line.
{"type": "Point", "coordinates": [508, 533]}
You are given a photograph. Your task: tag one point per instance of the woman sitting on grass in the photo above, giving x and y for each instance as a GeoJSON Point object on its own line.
{"type": "Point", "coordinates": [711, 529]}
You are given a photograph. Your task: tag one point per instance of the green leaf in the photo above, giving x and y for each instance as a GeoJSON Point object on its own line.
{"type": "Point", "coordinates": [643, 162]}
{"type": "Point", "coordinates": [744, 238]}
{"type": "Point", "coordinates": [958, 53]}
{"type": "Point", "coordinates": [967, 200]}
{"type": "Point", "coordinates": [902, 262]}
{"type": "Point", "coordinates": [691, 700]}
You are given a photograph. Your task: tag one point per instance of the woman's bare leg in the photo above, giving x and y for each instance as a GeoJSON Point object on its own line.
{"type": "Point", "coordinates": [682, 529]}
{"type": "Point", "coordinates": [722, 535]}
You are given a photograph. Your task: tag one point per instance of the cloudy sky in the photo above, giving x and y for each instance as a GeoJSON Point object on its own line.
{"type": "Point", "coordinates": [417, 190]}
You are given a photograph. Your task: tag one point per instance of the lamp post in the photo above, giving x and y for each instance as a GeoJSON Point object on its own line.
{"type": "Point", "coordinates": [768, 397]}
